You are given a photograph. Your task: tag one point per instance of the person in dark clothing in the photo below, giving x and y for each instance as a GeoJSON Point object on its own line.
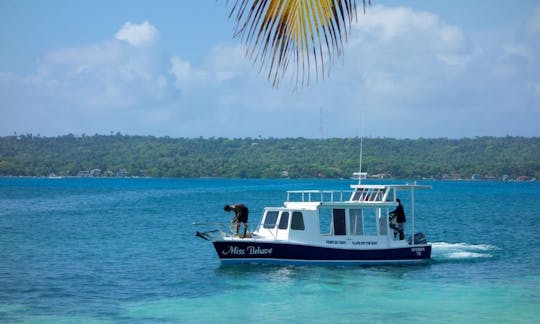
{"type": "Point", "coordinates": [240, 217]}
{"type": "Point", "coordinates": [393, 225]}
{"type": "Point", "coordinates": [400, 218]}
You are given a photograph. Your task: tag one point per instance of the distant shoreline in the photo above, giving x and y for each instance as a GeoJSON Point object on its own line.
{"type": "Point", "coordinates": [121, 156]}
{"type": "Point", "coordinates": [291, 179]}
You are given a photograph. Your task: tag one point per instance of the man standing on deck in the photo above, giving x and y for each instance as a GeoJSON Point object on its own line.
{"type": "Point", "coordinates": [240, 216]}
{"type": "Point", "coordinates": [400, 218]}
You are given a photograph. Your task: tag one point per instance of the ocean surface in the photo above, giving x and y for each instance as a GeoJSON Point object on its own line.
{"type": "Point", "coordinates": [124, 251]}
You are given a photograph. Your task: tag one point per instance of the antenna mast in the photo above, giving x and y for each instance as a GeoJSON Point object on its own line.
{"type": "Point", "coordinates": [360, 168]}
{"type": "Point", "coordinates": [360, 174]}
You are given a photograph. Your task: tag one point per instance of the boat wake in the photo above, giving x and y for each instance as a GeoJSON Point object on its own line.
{"type": "Point", "coordinates": [443, 251]}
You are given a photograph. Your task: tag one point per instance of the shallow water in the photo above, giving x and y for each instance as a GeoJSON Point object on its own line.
{"type": "Point", "coordinates": [124, 250]}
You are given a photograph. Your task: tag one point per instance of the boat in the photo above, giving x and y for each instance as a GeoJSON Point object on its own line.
{"type": "Point", "coordinates": [350, 227]}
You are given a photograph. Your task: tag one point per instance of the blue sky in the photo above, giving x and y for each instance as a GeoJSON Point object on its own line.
{"type": "Point", "coordinates": [172, 68]}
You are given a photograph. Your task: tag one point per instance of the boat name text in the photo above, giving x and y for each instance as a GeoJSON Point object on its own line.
{"type": "Point", "coordinates": [249, 250]}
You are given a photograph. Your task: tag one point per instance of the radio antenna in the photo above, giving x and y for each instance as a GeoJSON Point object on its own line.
{"type": "Point", "coordinates": [360, 173]}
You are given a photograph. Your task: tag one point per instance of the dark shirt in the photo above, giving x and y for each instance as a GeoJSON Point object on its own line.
{"type": "Point", "coordinates": [241, 212]}
{"type": "Point", "coordinates": [400, 214]}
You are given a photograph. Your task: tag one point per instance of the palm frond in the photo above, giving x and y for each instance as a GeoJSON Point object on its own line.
{"type": "Point", "coordinates": [307, 34]}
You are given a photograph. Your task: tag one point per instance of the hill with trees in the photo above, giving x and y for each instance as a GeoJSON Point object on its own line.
{"type": "Point", "coordinates": [123, 155]}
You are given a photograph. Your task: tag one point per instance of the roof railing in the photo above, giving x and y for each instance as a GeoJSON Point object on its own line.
{"type": "Point", "coordinates": [318, 195]}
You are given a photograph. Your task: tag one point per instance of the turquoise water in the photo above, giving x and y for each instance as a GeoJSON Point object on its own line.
{"type": "Point", "coordinates": [124, 250]}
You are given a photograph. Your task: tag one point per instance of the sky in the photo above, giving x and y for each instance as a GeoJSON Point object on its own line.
{"type": "Point", "coordinates": [410, 69]}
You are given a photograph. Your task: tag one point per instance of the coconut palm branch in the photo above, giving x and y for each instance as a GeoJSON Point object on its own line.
{"type": "Point", "coordinates": [307, 34]}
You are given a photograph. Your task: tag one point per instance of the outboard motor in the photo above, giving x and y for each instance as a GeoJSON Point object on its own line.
{"type": "Point", "coordinates": [419, 238]}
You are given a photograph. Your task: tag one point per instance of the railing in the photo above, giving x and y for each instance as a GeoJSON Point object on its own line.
{"type": "Point", "coordinates": [227, 229]}
{"type": "Point", "coordinates": [318, 195]}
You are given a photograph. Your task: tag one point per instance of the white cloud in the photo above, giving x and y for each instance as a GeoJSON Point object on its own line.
{"type": "Point", "coordinates": [106, 74]}
{"type": "Point", "coordinates": [517, 50]}
{"type": "Point", "coordinates": [186, 76]}
{"type": "Point", "coordinates": [181, 70]}
{"type": "Point", "coordinates": [408, 72]}
{"type": "Point", "coordinates": [412, 69]}
{"type": "Point", "coordinates": [98, 87]}
{"type": "Point", "coordinates": [224, 65]}
{"type": "Point", "coordinates": [228, 62]}
{"type": "Point", "coordinates": [94, 54]}
{"type": "Point", "coordinates": [408, 32]}
{"type": "Point", "coordinates": [456, 60]}
{"type": "Point", "coordinates": [137, 35]}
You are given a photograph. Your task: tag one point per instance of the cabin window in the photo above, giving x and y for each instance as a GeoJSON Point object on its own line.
{"type": "Point", "coordinates": [325, 221]}
{"type": "Point", "coordinates": [284, 221]}
{"type": "Point", "coordinates": [355, 217]}
{"type": "Point", "coordinates": [297, 221]}
{"type": "Point", "coordinates": [271, 219]}
{"type": "Point", "coordinates": [339, 222]}
{"type": "Point", "coordinates": [370, 220]}
{"type": "Point", "coordinates": [364, 221]}
{"type": "Point", "coordinates": [383, 225]}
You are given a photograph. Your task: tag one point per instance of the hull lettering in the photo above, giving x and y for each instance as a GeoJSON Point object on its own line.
{"type": "Point", "coordinates": [249, 250]}
{"type": "Point", "coordinates": [365, 242]}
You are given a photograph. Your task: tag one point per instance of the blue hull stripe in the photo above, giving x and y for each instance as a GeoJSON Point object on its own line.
{"type": "Point", "coordinates": [283, 253]}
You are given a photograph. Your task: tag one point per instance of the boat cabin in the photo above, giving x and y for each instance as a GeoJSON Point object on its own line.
{"type": "Point", "coordinates": [339, 218]}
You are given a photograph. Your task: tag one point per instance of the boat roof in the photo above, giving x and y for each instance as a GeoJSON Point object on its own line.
{"type": "Point", "coordinates": [388, 186]}
{"type": "Point", "coordinates": [364, 195]}
{"type": "Point", "coordinates": [334, 204]}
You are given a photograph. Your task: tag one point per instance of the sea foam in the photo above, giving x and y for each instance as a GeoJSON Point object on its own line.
{"type": "Point", "coordinates": [461, 251]}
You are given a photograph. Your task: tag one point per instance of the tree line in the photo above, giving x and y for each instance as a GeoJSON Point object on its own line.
{"type": "Point", "coordinates": [438, 158]}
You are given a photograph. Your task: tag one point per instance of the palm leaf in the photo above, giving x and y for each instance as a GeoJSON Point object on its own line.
{"type": "Point", "coordinates": [307, 34]}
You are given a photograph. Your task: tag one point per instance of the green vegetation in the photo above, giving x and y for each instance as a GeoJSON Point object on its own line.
{"type": "Point", "coordinates": [120, 155]}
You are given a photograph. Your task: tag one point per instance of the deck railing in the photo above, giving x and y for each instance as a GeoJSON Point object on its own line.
{"type": "Point", "coordinates": [318, 195]}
